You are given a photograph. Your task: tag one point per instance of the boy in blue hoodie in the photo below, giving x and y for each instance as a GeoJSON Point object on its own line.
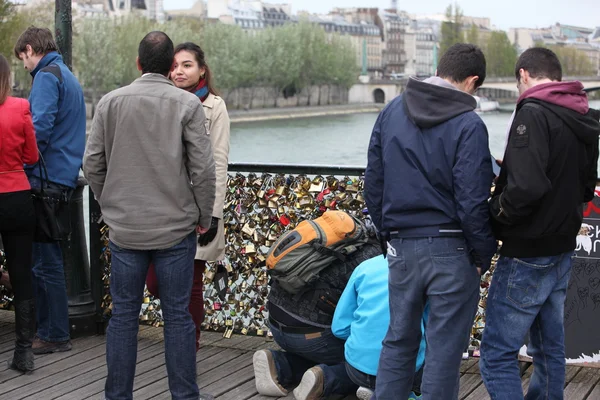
{"type": "Point", "coordinates": [362, 317]}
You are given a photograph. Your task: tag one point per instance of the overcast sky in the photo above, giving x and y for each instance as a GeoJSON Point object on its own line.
{"type": "Point", "coordinates": [503, 13]}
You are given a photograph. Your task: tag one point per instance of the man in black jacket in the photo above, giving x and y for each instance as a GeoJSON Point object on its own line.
{"type": "Point", "coordinates": [549, 170]}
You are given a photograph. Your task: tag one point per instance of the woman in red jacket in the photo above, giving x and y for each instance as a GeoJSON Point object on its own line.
{"type": "Point", "coordinates": [17, 218]}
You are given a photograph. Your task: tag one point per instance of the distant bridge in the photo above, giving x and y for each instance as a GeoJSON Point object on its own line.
{"type": "Point", "coordinates": [506, 88]}
{"type": "Point", "coordinates": [500, 89]}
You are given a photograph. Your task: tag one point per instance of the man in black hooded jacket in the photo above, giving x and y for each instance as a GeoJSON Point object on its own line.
{"type": "Point", "coordinates": [549, 170]}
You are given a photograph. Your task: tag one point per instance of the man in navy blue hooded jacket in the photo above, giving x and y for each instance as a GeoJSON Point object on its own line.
{"type": "Point", "coordinates": [427, 184]}
{"type": "Point", "coordinates": [58, 111]}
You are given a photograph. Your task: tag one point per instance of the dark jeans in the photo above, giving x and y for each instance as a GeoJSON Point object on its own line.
{"type": "Point", "coordinates": [50, 287]}
{"type": "Point", "coordinates": [437, 270]}
{"type": "Point", "coordinates": [304, 351]}
{"type": "Point", "coordinates": [52, 305]}
{"type": "Point", "coordinates": [17, 226]}
{"type": "Point", "coordinates": [174, 269]}
{"type": "Point", "coordinates": [527, 295]}
{"type": "Point", "coordinates": [368, 381]}
{"type": "Point", "coordinates": [360, 378]}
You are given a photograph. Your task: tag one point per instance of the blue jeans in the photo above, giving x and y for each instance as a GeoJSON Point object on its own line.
{"type": "Point", "coordinates": [439, 271]}
{"type": "Point", "coordinates": [526, 295]}
{"type": "Point", "coordinates": [50, 286]}
{"type": "Point", "coordinates": [50, 289]}
{"type": "Point", "coordinates": [303, 352]}
{"type": "Point", "coordinates": [175, 272]}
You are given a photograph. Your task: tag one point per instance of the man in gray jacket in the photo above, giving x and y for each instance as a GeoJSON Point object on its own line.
{"type": "Point", "coordinates": [149, 162]}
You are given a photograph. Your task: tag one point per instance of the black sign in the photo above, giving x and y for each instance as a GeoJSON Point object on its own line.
{"type": "Point", "coordinates": [582, 306]}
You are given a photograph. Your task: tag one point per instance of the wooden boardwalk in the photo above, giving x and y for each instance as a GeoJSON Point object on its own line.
{"type": "Point", "coordinates": [224, 370]}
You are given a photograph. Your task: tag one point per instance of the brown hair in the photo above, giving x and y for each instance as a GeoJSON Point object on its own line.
{"type": "Point", "coordinates": [5, 88]}
{"type": "Point", "coordinates": [40, 39]}
{"type": "Point", "coordinates": [199, 53]}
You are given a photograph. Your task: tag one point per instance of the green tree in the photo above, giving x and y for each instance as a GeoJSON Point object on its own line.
{"type": "Point", "coordinates": [10, 24]}
{"type": "Point", "coordinates": [451, 30]}
{"type": "Point", "coordinates": [279, 55]}
{"type": "Point", "coordinates": [473, 35]}
{"type": "Point", "coordinates": [105, 49]}
{"type": "Point", "coordinates": [42, 15]}
{"type": "Point", "coordinates": [325, 72]}
{"type": "Point", "coordinates": [126, 36]}
{"type": "Point", "coordinates": [227, 51]}
{"type": "Point", "coordinates": [293, 56]}
{"type": "Point", "coordinates": [93, 63]}
{"type": "Point", "coordinates": [312, 43]}
{"type": "Point", "coordinates": [344, 70]}
{"type": "Point", "coordinates": [574, 61]}
{"type": "Point", "coordinates": [500, 54]}
{"type": "Point", "coordinates": [184, 29]}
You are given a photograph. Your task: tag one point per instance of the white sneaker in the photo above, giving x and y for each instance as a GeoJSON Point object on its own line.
{"type": "Point", "coordinates": [265, 375]}
{"type": "Point", "coordinates": [311, 386]}
{"type": "Point", "coordinates": [364, 393]}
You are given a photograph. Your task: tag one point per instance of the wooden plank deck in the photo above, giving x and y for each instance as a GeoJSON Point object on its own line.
{"type": "Point", "coordinates": [224, 369]}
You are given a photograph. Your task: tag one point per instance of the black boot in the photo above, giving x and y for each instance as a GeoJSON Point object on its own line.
{"type": "Point", "coordinates": [25, 330]}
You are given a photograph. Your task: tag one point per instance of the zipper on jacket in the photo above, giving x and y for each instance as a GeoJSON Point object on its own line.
{"type": "Point", "coordinates": [501, 208]}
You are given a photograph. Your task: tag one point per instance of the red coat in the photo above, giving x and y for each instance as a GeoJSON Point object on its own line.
{"type": "Point", "coordinates": [17, 144]}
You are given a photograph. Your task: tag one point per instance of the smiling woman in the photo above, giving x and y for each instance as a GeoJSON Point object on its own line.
{"type": "Point", "coordinates": [191, 72]}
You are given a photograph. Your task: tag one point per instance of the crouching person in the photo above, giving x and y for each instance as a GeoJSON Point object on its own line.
{"type": "Point", "coordinates": [362, 318]}
{"type": "Point", "coordinates": [313, 358]}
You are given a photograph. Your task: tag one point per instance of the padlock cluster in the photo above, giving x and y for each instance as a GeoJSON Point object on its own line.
{"type": "Point", "coordinates": [258, 209]}
{"type": "Point", "coordinates": [6, 298]}
{"type": "Point", "coordinates": [479, 323]}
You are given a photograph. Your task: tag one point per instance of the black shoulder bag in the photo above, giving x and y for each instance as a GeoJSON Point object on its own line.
{"type": "Point", "coordinates": [51, 205]}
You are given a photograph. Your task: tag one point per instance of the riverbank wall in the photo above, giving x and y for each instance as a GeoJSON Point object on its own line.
{"type": "Point", "coordinates": [267, 114]}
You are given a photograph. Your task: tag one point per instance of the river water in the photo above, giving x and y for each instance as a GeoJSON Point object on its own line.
{"type": "Point", "coordinates": [335, 140]}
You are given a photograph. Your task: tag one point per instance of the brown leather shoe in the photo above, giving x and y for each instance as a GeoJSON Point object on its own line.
{"type": "Point", "coordinates": [312, 385]}
{"type": "Point", "coordinates": [42, 347]}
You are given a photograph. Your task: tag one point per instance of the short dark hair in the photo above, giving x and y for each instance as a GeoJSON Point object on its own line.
{"type": "Point", "coordinates": [462, 61]}
{"type": "Point", "coordinates": [156, 53]}
{"type": "Point", "coordinates": [40, 39]}
{"type": "Point", "coordinates": [540, 63]}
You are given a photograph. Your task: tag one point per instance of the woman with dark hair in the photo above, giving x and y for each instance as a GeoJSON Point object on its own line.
{"type": "Point", "coordinates": [17, 219]}
{"type": "Point", "coordinates": [191, 73]}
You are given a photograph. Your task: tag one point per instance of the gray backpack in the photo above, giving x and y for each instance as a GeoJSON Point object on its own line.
{"type": "Point", "coordinates": [298, 256]}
